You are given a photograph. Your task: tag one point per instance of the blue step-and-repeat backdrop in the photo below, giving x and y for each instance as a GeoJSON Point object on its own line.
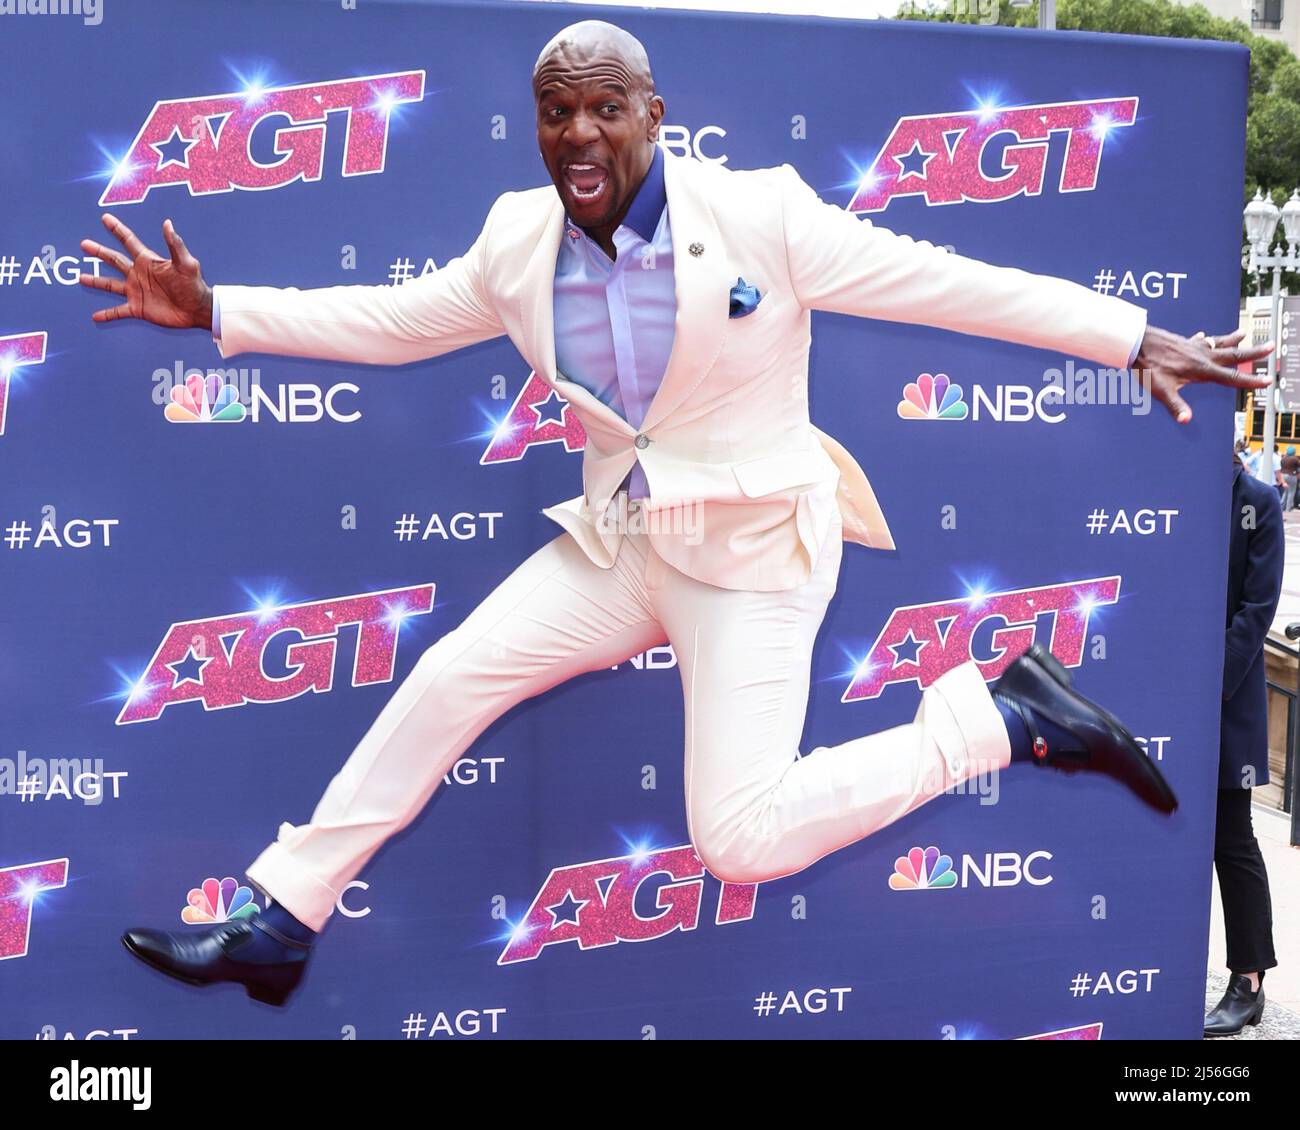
{"type": "Point", "coordinates": [313, 144]}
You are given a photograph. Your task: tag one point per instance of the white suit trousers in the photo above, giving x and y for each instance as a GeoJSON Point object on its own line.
{"type": "Point", "coordinates": [755, 809]}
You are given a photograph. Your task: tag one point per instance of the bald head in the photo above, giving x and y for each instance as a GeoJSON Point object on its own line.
{"type": "Point", "coordinates": [597, 122]}
{"type": "Point", "coordinates": [594, 43]}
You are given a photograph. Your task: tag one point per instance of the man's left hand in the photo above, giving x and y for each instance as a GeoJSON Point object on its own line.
{"type": "Point", "coordinates": [1168, 361]}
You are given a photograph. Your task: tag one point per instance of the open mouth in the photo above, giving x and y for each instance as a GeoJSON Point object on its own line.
{"type": "Point", "coordinates": [586, 182]}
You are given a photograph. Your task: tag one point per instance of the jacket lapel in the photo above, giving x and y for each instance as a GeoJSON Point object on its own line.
{"type": "Point", "coordinates": [702, 283]}
{"type": "Point", "coordinates": [537, 314]}
{"type": "Point", "coordinates": [536, 293]}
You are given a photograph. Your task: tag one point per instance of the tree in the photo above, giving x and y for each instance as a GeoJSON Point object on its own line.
{"type": "Point", "coordinates": [1273, 109]}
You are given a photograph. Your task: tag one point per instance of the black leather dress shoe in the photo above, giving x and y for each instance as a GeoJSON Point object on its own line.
{"type": "Point", "coordinates": [1100, 743]}
{"type": "Point", "coordinates": [1238, 1008]}
{"type": "Point", "coordinates": [212, 954]}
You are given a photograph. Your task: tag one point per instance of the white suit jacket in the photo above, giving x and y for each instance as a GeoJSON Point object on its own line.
{"type": "Point", "coordinates": [742, 486]}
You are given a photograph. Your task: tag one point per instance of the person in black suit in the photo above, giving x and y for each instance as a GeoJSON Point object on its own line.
{"type": "Point", "coordinates": [1256, 555]}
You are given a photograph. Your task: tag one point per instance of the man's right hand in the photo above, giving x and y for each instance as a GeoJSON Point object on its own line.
{"type": "Point", "coordinates": [168, 292]}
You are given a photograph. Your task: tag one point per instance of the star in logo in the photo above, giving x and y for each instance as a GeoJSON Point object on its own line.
{"type": "Point", "coordinates": [914, 156]}
{"type": "Point", "coordinates": [193, 668]}
{"type": "Point", "coordinates": [909, 644]}
{"type": "Point", "coordinates": [548, 413]}
{"type": "Point", "coordinates": [567, 910]}
{"type": "Point", "coordinates": [167, 149]}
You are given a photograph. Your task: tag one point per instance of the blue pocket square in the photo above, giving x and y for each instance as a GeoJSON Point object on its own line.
{"type": "Point", "coordinates": [744, 299]}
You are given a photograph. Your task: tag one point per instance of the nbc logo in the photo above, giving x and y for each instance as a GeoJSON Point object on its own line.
{"type": "Point", "coordinates": [932, 398]}
{"type": "Point", "coordinates": [218, 902]}
{"type": "Point", "coordinates": [230, 396]}
{"type": "Point", "coordinates": [204, 401]}
{"type": "Point", "coordinates": [928, 869]}
{"type": "Point", "coordinates": [922, 870]}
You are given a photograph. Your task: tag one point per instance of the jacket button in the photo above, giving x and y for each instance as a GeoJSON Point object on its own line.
{"type": "Point", "coordinates": [642, 442]}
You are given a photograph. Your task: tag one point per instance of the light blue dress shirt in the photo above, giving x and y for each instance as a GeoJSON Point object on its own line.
{"type": "Point", "coordinates": [615, 319]}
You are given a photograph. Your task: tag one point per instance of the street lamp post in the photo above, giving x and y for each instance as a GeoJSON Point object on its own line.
{"type": "Point", "coordinates": [1261, 217]}
{"type": "Point", "coordinates": [1046, 11]}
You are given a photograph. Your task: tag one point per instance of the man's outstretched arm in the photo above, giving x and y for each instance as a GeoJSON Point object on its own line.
{"type": "Point", "coordinates": [841, 263]}
{"type": "Point", "coordinates": [376, 325]}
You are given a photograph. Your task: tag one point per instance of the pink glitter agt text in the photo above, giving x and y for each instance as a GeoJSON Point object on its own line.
{"type": "Point", "coordinates": [922, 641]}
{"type": "Point", "coordinates": [15, 350]}
{"type": "Point", "coordinates": [19, 888]}
{"type": "Point", "coordinates": [941, 155]}
{"type": "Point", "coordinates": [594, 904]}
{"type": "Point", "coordinates": [1082, 1032]}
{"type": "Point", "coordinates": [204, 142]}
{"type": "Point", "coordinates": [533, 420]}
{"type": "Point", "coordinates": [219, 660]}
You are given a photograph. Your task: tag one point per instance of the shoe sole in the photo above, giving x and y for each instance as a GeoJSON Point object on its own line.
{"type": "Point", "coordinates": [1227, 1035]}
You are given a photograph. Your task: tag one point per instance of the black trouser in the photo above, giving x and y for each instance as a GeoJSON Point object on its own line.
{"type": "Point", "coordinates": [1243, 886]}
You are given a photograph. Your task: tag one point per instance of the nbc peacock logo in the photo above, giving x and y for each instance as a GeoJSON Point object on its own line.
{"type": "Point", "coordinates": [923, 869]}
{"type": "Point", "coordinates": [932, 397]}
{"type": "Point", "coordinates": [218, 901]}
{"type": "Point", "coordinates": [204, 400]}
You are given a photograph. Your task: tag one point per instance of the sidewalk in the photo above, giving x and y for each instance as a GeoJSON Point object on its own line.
{"type": "Point", "coordinates": [1281, 985]}
{"type": "Point", "coordinates": [1288, 608]}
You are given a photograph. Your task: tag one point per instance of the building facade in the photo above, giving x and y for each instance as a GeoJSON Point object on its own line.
{"type": "Point", "coordinates": [1273, 19]}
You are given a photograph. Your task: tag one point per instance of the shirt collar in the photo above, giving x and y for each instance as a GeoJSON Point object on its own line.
{"type": "Point", "coordinates": [649, 202]}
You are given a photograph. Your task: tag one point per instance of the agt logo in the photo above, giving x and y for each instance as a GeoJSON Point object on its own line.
{"type": "Point", "coordinates": [211, 399]}
{"type": "Point", "coordinates": [227, 661]}
{"type": "Point", "coordinates": [601, 903]}
{"type": "Point", "coordinates": [929, 869]}
{"type": "Point", "coordinates": [952, 158]}
{"type": "Point", "coordinates": [218, 901]}
{"type": "Point", "coordinates": [935, 397]}
{"type": "Point", "coordinates": [539, 415]}
{"type": "Point", "coordinates": [205, 142]}
{"type": "Point", "coordinates": [17, 350]}
{"type": "Point", "coordinates": [922, 641]}
{"type": "Point", "coordinates": [20, 887]}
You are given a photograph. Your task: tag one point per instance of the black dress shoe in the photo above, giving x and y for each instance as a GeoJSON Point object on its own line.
{"type": "Point", "coordinates": [1037, 682]}
{"type": "Point", "coordinates": [1238, 1008]}
{"type": "Point", "coordinates": [212, 954]}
